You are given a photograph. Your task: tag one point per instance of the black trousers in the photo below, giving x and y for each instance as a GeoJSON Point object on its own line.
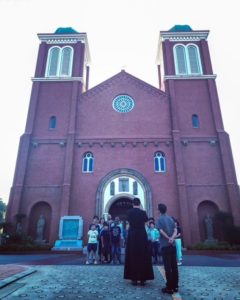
{"type": "Point", "coordinates": [155, 251]}
{"type": "Point", "coordinates": [170, 266]}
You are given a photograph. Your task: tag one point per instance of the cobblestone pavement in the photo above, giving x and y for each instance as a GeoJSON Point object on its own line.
{"type": "Point", "coordinates": [105, 282]}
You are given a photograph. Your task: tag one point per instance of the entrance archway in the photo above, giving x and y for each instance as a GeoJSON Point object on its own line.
{"type": "Point", "coordinates": [121, 183]}
{"type": "Point", "coordinates": [120, 207]}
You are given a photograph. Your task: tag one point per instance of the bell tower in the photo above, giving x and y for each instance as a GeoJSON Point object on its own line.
{"type": "Point", "coordinates": [62, 74]}
{"type": "Point", "coordinates": [203, 160]}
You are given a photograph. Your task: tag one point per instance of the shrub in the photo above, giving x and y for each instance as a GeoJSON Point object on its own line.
{"type": "Point", "coordinates": [223, 245]}
{"type": "Point", "coordinates": [24, 248]}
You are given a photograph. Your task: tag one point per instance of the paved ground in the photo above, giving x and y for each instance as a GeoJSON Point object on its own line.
{"type": "Point", "coordinates": [66, 277]}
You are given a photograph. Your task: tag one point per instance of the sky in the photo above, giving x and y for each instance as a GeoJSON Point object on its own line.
{"type": "Point", "coordinates": [122, 34]}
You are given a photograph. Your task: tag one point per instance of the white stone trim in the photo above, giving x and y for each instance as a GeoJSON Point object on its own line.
{"type": "Point", "coordinates": [190, 76]}
{"type": "Point", "coordinates": [184, 36]}
{"type": "Point", "coordinates": [46, 79]}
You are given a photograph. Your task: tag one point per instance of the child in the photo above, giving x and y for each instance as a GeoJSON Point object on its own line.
{"type": "Point", "coordinates": [92, 243]}
{"type": "Point", "coordinates": [154, 235]}
{"type": "Point", "coordinates": [115, 241]}
{"type": "Point", "coordinates": [105, 239]}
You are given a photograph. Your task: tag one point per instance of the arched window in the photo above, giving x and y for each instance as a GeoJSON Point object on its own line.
{"type": "Point", "coordinates": [66, 61]}
{"type": "Point", "coordinates": [187, 59]}
{"type": "Point", "coordinates": [52, 122]}
{"type": "Point", "coordinates": [135, 188]}
{"type": "Point", "coordinates": [59, 62]}
{"type": "Point", "coordinates": [123, 184]}
{"type": "Point", "coordinates": [53, 61]}
{"type": "Point", "coordinates": [159, 162]}
{"type": "Point", "coordinates": [180, 60]}
{"type": "Point", "coordinates": [112, 188]}
{"type": "Point", "coordinates": [193, 58]}
{"type": "Point", "coordinates": [195, 121]}
{"type": "Point", "coordinates": [87, 165]}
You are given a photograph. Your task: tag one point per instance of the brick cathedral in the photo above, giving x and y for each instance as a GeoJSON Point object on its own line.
{"type": "Point", "coordinates": [88, 151]}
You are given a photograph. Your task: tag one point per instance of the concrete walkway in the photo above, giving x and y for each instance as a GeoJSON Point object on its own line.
{"type": "Point", "coordinates": [66, 276]}
{"type": "Point", "coordinates": [106, 282]}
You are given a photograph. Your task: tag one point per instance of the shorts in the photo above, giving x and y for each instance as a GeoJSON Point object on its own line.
{"type": "Point", "coordinates": [92, 247]}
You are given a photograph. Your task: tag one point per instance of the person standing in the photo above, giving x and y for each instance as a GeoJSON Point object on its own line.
{"type": "Point", "coordinates": [92, 244]}
{"type": "Point", "coordinates": [168, 233]}
{"type": "Point", "coordinates": [138, 265]}
{"type": "Point", "coordinates": [115, 242]}
{"type": "Point", "coordinates": [105, 238]}
{"type": "Point", "coordinates": [178, 242]}
{"type": "Point", "coordinates": [154, 237]}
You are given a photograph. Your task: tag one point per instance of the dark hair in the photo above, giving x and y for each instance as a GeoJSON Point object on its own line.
{"type": "Point", "coordinates": [162, 208]}
{"type": "Point", "coordinates": [136, 202]}
{"type": "Point", "coordinates": [105, 224]}
{"type": "Point", "coordinates": [96, 217]}
{"type": "Point", "coordinates": [175, 221]}
{"type": "Point", "coordinates": [151, 219]}
{"type": "Point", "coordinates": [150, 223]}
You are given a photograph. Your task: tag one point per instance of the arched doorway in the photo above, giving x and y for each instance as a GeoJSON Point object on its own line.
{"type": "Point", "coordinates": [120, 207]}
{"type": "Point", "coordinates": [123, 183]}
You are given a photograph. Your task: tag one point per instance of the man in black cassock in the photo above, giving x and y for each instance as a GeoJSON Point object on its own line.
{"type": "Point", "coordinates": [138, 261]}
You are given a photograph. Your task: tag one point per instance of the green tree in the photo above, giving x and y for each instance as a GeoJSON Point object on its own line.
{"type": "Point", "coordinates": [3, 207]}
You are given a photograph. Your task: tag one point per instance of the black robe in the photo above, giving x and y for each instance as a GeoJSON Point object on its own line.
{"type": "Point", "coordinates": [138, 261]}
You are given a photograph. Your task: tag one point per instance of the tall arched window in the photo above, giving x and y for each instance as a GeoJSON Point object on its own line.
{"type": "Point", "coordinates": [195, 121]}
{"type": "Point", "coordinates": [193, 57]}
{"type": "Point", "coordinates": [187, 59]}
{"type": "Point", "coordinates": [135, 188]}
{"type": "Point", "coordinates": [66, 63]}
{"type": "Point", "coordinates": [159, 162]}
{"type": "Point", "coordinates": [52, 122]}
{"type": "Point", "coordinates": [87, 164]}
{"type": "Point", "coordinates": [180, 59]}
{"type": "Point", "coordinates": [112, 188]}
{"type": "Point", "coordinates": [59, 62]}
{"type": "Point", "coordinates": [53, 61]}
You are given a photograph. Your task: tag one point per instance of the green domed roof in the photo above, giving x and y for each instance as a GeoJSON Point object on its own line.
{"type": "Point", "coordinates": [180, 28]}
{"type": "Point", "coordinates": [65, 30]}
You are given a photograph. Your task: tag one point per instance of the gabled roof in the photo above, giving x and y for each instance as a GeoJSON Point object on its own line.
{"type": "Point", "coordinates": [123, 75]}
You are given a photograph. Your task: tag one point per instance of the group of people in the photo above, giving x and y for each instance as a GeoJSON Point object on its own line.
{"type": "Point", "coordinates": [144, 240]}
{"type": "Point", "coordinates": [105, 238]}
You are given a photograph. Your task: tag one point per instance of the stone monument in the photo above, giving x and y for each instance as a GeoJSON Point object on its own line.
{"type": "Point", "coordinates": [70, 234]}
{"type": "Point", "coordinates": [40, 229]}
{"type": "Point", "coordinates": [208, 222]}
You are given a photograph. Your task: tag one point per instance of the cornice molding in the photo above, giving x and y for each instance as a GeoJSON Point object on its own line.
{"type": "Point", "coordinates": [189, 77]}
{"type": "Point", "coordinates": [47, 79]}
{"type": "Point", "coordinates": [184, 36]}
{"type": "Point", "coordinates": [54, 39]}
{"type": "Point", "coordinates": [62, 38]}
{"type": "Point", "coordinates": [120, 77]}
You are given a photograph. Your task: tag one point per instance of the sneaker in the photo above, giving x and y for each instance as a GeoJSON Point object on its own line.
{"type": "Point", "coordinates": [175, 290]}
{"type": "Point", "coordinates": [167, 291]}
{"type": "Point", "coordinates": [179, 263]}
{"type": "Point", "coordinates": [95, 262]}
{"type": "Point", "coordinates": [142, 282]}
{"type": "Point", "coordinates": [87, 262]}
